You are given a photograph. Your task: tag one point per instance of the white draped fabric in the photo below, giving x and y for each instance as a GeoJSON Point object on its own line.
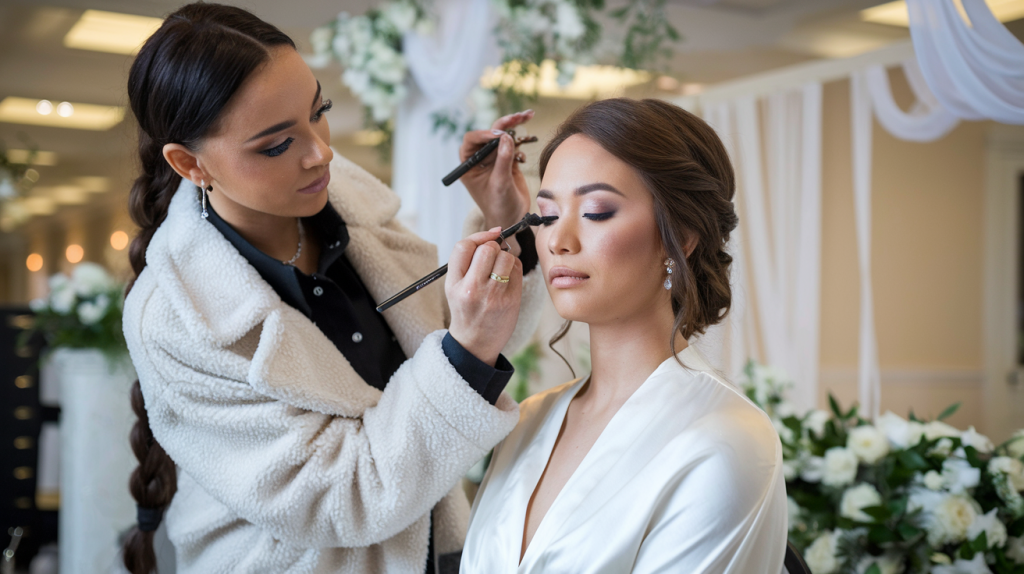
{"type": "Point", "coordinates": [444, 69]}
{"type": "Point", "coordinates": [975, 71]}
{"type": "Point", "coordinates": [781, 231]}
{"type": "Point", "coordinates": [927, 121]}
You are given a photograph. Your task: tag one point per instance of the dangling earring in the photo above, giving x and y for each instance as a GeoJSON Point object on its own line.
{"type": "Point", "coordinates": [669, 264]}
{"type": "Point", "coordinates": [205, 189]}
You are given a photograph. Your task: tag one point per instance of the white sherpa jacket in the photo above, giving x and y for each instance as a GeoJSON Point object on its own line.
{"type": "Point", "coordinates": [287, 460]}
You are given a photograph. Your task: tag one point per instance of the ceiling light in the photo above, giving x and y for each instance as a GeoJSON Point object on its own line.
{"type": "Point", "coordinates": [37, 205]}
{"type": "Point", "coordinates": [588, 82]}
{"type": "Point", "coordinates": [74, 253]}
{"type": "Point", "coordinates": [119, 240]}
{"type": "Point", "coordinates": [93, 183]}
{"type": "Point", "coordinates": [65, 109]}
{"type": "Point", "coordinates": [895, 13]}
{"type": "Point", "coordinates": [34, 262]}
{"type": "Point", "coordinates": [85, 116]}
{"type": "Point", "coordinates": [63, 194]}
{"type": "Point", "coordinates": [111, 32]}
{"type": "Point", "coordinates": [44, 107]}
{"type": "Point", "coordinates": [22, 156]}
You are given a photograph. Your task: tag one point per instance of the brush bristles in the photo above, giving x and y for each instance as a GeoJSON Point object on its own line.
{"type": "Point", "coordinates": [534, 219]}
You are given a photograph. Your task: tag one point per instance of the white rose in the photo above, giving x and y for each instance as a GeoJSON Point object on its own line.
{"type": "Point", "coordinates": [938, 429]}
{"type": "Point", "coordinates": [321, 38]}
{"type": "Point", "coordinates": [887, 563]}
{"type": "Point", "coordinates": [58, 281]}
{"type": "Point", "coordinates": [1016, 446]}
{"type": "Point", "coordinates": [401, 15]}
{"type": "Point", "coordinates": [360, 30]}
{"type": "Point", "coordinates": [38, 305]}
{"type": "Point", "coordinates": [357, 80]}
{"type": "Point", "coordinates": [813, 469]}
{"type": "Point", "coordinates": [942, 448]}
{"type": "Point", "coordinates": [386, 64]}
{"type": "Point", "coordinates": [959, 475]}
{"type": "Point", "coordinates": [950, 519]}
{"type": "Point", "coordinates": [933, 480]}
{"type": "Point", "coordinates": [790, 469]}
{"type": "Point", "coordinates": [840, 467]}
{"type": "Point", "coordinates": [62, 300]}
{"type": "Point", "coordinates": [989, 523]}
{"type": "Point", "coordinates": [1011, 467]}
{"type": "Point", "coordinates": [794, 511]}
{"type": "Point", "coordinates": [821, 554]}
{"type": "Point", "coordinates": [856, 498]}
{"type": "Point", "coordinates": [532, 22]}
{"type": "Point", "coordinates": [1015, 549]}
{"type": "Point", "coordinates": [568, 23]}
{"type": "Point", "coordinates": [961, 566]}
{"type": "Point", "coordinates": [90, 279]}
{"type": "Point", "coordinates": [785, 433]}
{"type": "Point", "coordinates": [868, 443]}
{"type": "Point", "coordinates": [815, 422]}
{"type": "Point", "coordinates": [980, 442]}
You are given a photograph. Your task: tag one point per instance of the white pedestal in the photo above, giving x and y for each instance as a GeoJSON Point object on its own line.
{"type": "Point", "coordinates": [96, 459]}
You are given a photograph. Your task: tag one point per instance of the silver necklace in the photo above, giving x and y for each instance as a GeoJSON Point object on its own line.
{"type": "Point", "coordinates": [298, 253]}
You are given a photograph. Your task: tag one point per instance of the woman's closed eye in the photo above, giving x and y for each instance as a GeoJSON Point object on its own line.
{"type": "Point", "coordinates": [599, 216]}
{"type": "Point", "coordinates": [278, 149]}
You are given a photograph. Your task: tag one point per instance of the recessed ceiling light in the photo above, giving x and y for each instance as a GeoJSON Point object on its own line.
{"type": "Point", "coordinates": [588, 82]}
{"type": "Point", "coordinates": [22, 156]}
{"type": "Point", "coordinates": [111, 32]}
{"type": "Point", "coordinates": [44, 107]}
{"type": "Point", "coordinates": [65, 109]}
{"type": "Point", "coordinates": [93, 183]}
{"type": "Point", "coordinates": [895, 13]}
{"type": "Point", "coordinates": [81, 116]}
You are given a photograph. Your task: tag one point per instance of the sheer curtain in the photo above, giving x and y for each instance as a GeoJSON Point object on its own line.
{"type": "Point", "coordinates": [779, 202]}
{"type": "Point", "coordinates": [444, 68]}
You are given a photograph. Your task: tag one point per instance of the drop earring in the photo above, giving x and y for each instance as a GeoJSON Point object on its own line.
{"type": "Point", "coordinates": [669, 268]}
{"type": "Point", "coordinates": [205, 190]}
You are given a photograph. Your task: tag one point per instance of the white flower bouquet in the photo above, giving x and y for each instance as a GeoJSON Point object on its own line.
{"type": "Point", "coordinates": [898, 495]}
{"type": "Point", "coordinates": [82, 311]}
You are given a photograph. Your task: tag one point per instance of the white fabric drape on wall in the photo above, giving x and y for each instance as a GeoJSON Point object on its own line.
{"type": "Point", "coordinates": [444, 69]}
{"type": "Point", "coordinates": [869, 380]}
{"type": "Point", "coordinates": [976, 71]}
{"type": "Point", "coordinates": [781, 231]}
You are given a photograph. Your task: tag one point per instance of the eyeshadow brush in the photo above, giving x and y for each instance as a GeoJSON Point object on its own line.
{"type": "Point", "coordinates": [528, 220]}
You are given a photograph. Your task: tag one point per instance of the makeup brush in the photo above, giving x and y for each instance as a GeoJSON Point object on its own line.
{"type": "Point", "coordinates": [480, 154]}
{"type": "Point", "coordinates": [528, 220]}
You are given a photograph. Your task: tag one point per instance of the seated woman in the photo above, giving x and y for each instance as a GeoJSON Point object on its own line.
{"type": "Point", "coordinates": [653, 463]}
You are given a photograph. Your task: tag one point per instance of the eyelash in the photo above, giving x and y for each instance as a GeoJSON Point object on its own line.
{"type": "Point", "coordinates": [283, 146]}
{"type": "Point", "coordinates": [599, 216]}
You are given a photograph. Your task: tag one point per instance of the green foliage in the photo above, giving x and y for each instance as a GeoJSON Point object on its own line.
{"type": "Point", "coordinates": [526, 364]}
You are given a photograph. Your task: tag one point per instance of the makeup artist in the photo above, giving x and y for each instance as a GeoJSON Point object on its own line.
{"type": "Point", "coordinates": [284, 425]}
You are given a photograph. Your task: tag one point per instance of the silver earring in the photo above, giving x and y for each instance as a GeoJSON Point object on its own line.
{"type": "Point", "coordinates": [669, 264]}
{"type": "Point", "coordinates": [205, 189]}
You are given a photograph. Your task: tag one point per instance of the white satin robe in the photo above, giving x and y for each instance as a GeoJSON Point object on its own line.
{"type": "Point", "coordinates": [686, 477]}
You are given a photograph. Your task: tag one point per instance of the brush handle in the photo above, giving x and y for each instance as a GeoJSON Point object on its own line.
{"type": "Point", "coordinates": [471, 161]}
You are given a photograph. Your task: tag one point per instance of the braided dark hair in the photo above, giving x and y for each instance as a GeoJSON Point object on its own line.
{"type": "Point", "coordinates": [178, 85]}
{"type": "Point", "coordinates": [684, 165]}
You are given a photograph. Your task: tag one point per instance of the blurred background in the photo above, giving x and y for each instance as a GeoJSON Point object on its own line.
{"type": "Point", "coordinates": [896, 284]}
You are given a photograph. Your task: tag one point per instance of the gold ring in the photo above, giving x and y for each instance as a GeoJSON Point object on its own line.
{"type": "Point", "coordinates": [499, 278]}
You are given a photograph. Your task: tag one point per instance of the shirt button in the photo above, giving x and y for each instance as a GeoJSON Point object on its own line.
{"type": "Point", "coordinates": [357, 337]}
{"type": "Point", "coordinates": [318, 290]}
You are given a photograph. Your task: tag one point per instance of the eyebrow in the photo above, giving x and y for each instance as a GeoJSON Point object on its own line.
{"type": "Point", "coordinates": [583, 190]}
{"type": "Point", "coordinates": [286, 124]}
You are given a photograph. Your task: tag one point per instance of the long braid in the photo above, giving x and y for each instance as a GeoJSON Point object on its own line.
{"type": "Point", "coordinates": [181, 80]}
{"type": "Point", "coordinates": [154, 482]}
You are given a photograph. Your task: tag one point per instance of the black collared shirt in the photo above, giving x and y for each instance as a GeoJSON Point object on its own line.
{"type": "Point", "coordinates": [338, 303]}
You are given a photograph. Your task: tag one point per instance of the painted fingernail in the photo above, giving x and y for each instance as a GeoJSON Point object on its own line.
{"type": "Point", "coordinates": [497, 132]}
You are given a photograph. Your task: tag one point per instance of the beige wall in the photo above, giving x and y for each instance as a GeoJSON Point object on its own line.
{"type": "Point", "coordinates": [927, 253]}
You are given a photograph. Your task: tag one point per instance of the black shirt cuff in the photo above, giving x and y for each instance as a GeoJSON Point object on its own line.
{"type": "Point", "coordinates": [487, 380]}
{"type": "Point", "coordinates": [527, 250]}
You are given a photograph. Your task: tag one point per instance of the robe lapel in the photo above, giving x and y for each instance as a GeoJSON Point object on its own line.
{"type": "Point", "coordinates": [616, 457]}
